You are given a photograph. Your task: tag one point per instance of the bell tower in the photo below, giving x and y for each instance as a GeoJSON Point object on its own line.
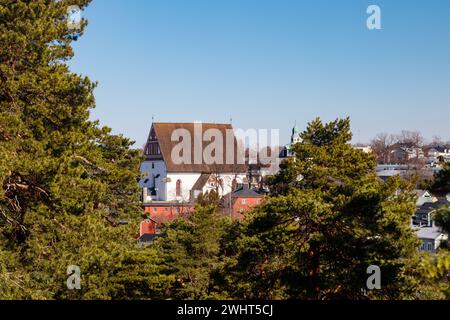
{"type": "Point", "coordinates": [296, 137]}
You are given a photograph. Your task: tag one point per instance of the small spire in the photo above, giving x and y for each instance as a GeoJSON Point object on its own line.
{"type": "Point", "coordinates": [295, 138]}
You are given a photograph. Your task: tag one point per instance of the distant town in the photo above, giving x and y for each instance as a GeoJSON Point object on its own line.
{"type": "Point", "coordinates": [171, 189]}
{"type": "Point", "coordinates": [101, 200]}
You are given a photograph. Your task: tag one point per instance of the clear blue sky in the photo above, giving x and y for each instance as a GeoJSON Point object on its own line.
{"type": "Point", "coordinates": [268, 63]}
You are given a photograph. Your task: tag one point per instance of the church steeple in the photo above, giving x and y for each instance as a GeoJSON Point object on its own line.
{"type": "Point", "coordinates": [295, 137]}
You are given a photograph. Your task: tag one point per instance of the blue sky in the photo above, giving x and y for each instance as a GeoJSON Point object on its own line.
{"type": "Point", "coordinates": [268, 64]}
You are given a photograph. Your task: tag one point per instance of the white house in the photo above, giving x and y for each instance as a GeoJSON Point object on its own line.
{"type": "Point", "coordinates": [403, 154]}
{"type": "Point", "coordinates": [431, 238]}
{"type": "Point", "coordinates": [365, 149]}
{"type": "Point", "coordinates": [423, 223]}
{"type": "Point", "coordinates": [437, 152]}
{"type": "Point", "coordinates": [423, 197]}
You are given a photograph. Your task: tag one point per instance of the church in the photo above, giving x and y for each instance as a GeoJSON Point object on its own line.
{"type": "Point", "coordinates": [287, 151]}
{"type": "Point", "coordinates": [170, 187]}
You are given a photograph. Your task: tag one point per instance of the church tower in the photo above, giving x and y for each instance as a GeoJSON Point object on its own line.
{"type": "Point", "coordinates": [296, 135]}
{"type": "Point", "coordinates": [287, 151]}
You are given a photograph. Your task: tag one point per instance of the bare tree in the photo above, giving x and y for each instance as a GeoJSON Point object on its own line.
{"type": "Point", "coordinates": [415, 142]}
{"type": "Point", "coordinates": [411, 139]}
{"type": "Point", "coordinates": [437, 142]}
{"type": "Point", "coordinates": [383, 145]}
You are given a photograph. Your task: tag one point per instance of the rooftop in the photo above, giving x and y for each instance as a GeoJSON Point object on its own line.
{"type": "Point", "coordinates": [429, 233]}
{"type": "Point", "coordinates": [246, 192]}
{"type": "Point", "coordinates": [196, 132]}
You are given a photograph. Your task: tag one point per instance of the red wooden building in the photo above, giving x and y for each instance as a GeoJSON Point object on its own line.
{"type": "Point", "coordinates": [163, 212]}
{"type": "Point", "coordinates": [242, 200]}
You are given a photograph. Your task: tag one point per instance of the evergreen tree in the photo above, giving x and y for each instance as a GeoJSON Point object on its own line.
{"type": "Point", "coordinates": [68, 184]}
{"type": "Point", "coordinates": [329, 218]}
{"type": "Point", "coordinates": [191, 253]}
{"type": "Point", "coordinates": [441, 183]}
{"type": "Point", "coordinates": [66, 181]}
{"type": "Point", "coordinates": [437, 266]}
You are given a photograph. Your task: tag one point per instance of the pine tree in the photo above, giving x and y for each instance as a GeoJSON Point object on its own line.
{"type": "Point", "coordinates": [437, 266]}
{"type": "Point", "coordinates": [441, 183]}
{"type": "Point", "coordinates": [66, 181]}
{"type": "Point", "coordinates": [329, 218]}
{"type": "Point", "coordinates": [191, 252]}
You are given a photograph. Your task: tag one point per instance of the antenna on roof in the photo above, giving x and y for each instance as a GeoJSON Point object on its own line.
{"type": "Point", "coordinates": [153, 118]}
{"type": "Point", "coordinates": [231, 120]}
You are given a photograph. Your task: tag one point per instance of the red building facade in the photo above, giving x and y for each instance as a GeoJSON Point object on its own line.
{"type": "Point", "coordinates": [164, 212]}
{"type": "Point", "coordinates": [242, 200]}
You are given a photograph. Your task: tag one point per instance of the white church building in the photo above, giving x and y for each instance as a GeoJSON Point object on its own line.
{"type": "Point", "coordinates": [172, 172]}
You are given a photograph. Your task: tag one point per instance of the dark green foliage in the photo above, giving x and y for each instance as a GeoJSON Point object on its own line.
{"type": "Point", "coordinates": [442, 218]}
{"type": "Point", "coordinates": [191, 250]}
{"type": "Point", "coordinates": [438, 266]}
{"type": "Point", "coordinates": [328, 220]}
{"type": "Point", "coordinates": [65, 181]}
{"type": "Point", "coordinates": [441, 183]}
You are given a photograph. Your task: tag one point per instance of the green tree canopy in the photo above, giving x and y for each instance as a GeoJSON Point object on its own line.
{"type": "Point", "coordinates": [65, 181]}
{"type": "Point", "coordinates": [191, 251]}
{"type": "Point", "coordinates": [329, 218]}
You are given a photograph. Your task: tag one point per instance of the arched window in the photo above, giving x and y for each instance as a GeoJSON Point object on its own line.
{"type": "Point", "coordinates": [179, 185]}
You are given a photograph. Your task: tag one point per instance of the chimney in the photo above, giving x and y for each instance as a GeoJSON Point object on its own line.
{"type": "Point", "coordinates": [144, 194]}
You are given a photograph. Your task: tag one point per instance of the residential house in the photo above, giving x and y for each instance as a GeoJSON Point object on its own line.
{"type": "Point", "coordinates": [424, 197]}
{"type": "Point", "coordinates": [432, 238]}
{"type": "Point", "coordinates": [428, 232]}
{"type": "Point", "coordinates": [386, 171]}
{"type": "Point", "coordinates": [365, 149]}
{"type": "Point", "coordinates": [242, 200]}
{"type": "Point", "coordinates": [438, 153]}
{"type": "Point", "coordinates": [402, 154]}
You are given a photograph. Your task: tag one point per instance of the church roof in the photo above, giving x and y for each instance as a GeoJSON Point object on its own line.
{"type": "Point", "coordinates": [164, 133]}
